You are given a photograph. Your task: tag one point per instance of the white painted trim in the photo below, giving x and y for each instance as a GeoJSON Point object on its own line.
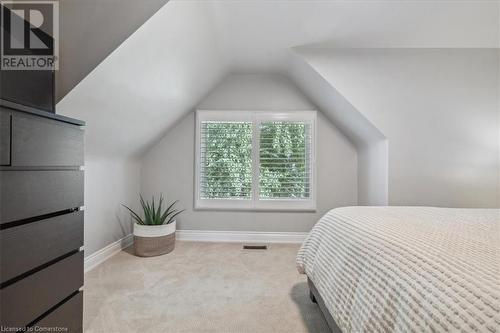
{"type": "Point", "coordinates": [255, 203]}
{"type": "Point", "coordinates": [240, 236]}
{"type": "Point", "coordinates": [98, 257]}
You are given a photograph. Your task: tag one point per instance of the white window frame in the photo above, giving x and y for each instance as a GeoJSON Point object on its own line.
{"type": "Point", "coordinates": [255, 204]}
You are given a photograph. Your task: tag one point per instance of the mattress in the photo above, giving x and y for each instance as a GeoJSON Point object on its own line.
{"type": "Point", "coordinates": [407, 269]}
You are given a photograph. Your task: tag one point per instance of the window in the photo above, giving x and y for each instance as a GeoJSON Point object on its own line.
{"type": "Point", "coordinates": [255, 160]}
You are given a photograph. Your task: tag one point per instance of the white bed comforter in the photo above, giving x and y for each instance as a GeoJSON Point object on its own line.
{"type": "Point", "coordinates": [407, 269]}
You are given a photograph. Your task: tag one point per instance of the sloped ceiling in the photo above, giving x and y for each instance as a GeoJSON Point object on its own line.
{"type": "Point", "coordinates": [91, 29]}
{"type": "Point", "coordinates": [148, 82]}
{"type": "Point", "coordinates": [333, 104]}
{"type": "Point", "coordinates": [162, 70]}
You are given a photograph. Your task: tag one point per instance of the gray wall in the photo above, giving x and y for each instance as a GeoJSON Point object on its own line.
{"type": "Point", "coordinates": [168, 167]}
{"type": "Point", "coordinates": [109, 183]}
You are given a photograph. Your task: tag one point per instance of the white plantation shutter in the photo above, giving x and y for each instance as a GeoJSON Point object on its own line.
{"type": "Point", "coordinates": [285, 160]}
{"type": "Point", "coordinates": [255, 160]}
{"type": "Point", "coordinates": [226, 160]}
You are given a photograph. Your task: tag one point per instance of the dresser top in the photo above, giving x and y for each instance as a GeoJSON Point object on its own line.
{"type": "Point", "coordinates": [40, 113]}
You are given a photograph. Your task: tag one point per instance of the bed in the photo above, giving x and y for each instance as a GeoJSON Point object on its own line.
{"type": "Point", "coordinates": [405, 269]}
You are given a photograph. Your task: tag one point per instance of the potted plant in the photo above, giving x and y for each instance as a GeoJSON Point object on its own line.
{"type": "Point", "coordinates": [154, 234]}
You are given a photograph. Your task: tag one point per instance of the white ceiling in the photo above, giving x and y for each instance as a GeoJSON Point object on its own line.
{"type": "Point", "coordinates": [162, 70]}
{"type": "Point", "coordinates": [259, 35]}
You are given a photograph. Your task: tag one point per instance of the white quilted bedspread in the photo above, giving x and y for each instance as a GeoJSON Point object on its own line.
{"type": "Point", "coordinates": [407, 269]}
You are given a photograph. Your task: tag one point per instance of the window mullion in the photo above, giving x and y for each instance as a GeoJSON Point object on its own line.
{"type": "Point", "coordinates": [255, 159]}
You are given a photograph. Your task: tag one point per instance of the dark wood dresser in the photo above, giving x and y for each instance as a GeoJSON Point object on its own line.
{"type": "Point", "coordinates": [41, 220]}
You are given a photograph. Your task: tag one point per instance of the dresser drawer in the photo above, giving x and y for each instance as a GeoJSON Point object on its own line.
{"type": "Point", "coordinates": [43, 142]}
{"type": "Point", "coordinates": [29, 298]}
{"type": "Point", "coordinates": [68, 316]}
{"type": "Point", "coordinates": [5, 137]}
{"type": "Point", "coordinates": [28, 246]}
{"type": "Point", "coordinates": [26, 194]}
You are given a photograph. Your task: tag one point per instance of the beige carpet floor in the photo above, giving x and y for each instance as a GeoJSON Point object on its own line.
{"type": "Point", "coordinates": [201, 287]}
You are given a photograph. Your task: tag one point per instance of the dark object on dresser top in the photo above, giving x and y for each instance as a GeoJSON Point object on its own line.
{"type": "Point", "coordinates": [33, 88]}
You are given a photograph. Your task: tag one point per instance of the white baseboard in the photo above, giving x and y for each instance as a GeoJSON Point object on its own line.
{"type": "Point", "coordinates": [240, 236]}
{"type": "Point", "coordinates": [97, 258]}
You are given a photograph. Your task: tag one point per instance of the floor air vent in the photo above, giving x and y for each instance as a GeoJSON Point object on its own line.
{"type": "Point", "coordinates": [254, 247]}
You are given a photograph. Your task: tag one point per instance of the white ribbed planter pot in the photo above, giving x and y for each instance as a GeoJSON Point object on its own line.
{"type": "Point", "coordinates": [154, 230]}
{"type": "Point", "coordinates": [154, 240]}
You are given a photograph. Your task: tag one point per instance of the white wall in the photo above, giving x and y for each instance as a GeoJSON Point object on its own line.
{"type": "Point", "coordinates": [109, 183]}
{"type": "Point", "coordinates": [438, 109]}
{"type": "Point", "coordinates": [370, 143]}
{"type": "Point", "coordinates": [373, 174]}
{"type": "Point", "coordinates": [498, 117]}
{"type": "Point", "coordinates": [268, 92]}
{"type": "Point", "coordinates": [168, 167]}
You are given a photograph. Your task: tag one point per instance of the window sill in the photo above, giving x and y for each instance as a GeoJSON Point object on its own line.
{"type": "Point", "coordinates": [263, 206]}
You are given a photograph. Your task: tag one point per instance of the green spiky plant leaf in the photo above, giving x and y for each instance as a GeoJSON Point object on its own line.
{"type": "Point", "coordinates": [154, 215]}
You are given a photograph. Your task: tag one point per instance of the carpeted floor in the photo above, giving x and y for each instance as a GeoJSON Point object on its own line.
{"type": "Point", "coordinates": [201, 287]}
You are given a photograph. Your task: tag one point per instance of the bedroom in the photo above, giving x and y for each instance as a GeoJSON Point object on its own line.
{"type": "Point", "coordinates": [356, 142]}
